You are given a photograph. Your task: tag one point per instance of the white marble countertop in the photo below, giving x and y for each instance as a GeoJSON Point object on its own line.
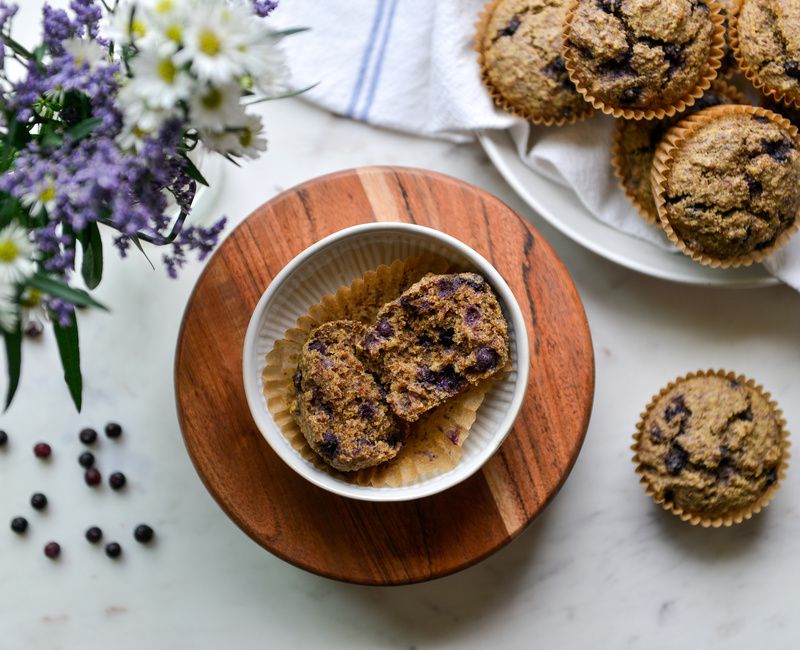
{"type": "Point", "coordinates": [602, 567]}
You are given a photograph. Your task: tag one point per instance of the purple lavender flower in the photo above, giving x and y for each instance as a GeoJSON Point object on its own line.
{"type": "Point", "coordinates": [60, 310]}
{"type": "Point", "coordinates": [57, 28]}
{"type": "Point", "coordinates": [193, 238]}
{"type": "Point", "coordinates": [264, 8]}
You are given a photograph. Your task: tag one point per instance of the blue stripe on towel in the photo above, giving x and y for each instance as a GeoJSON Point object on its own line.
{"type": "Point", "coordinates": [379, 64]}
{"type": "Point", "coordinates": [365, 59]}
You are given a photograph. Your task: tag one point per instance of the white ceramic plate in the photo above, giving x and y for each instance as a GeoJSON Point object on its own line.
{"type": "Point", "coordinates": [336, 261]}
{"type": "Point", "coordinates": [563, 210]}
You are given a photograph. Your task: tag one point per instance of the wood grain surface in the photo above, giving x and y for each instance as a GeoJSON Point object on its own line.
{"type": "Point", "coordinates": [382, 543]}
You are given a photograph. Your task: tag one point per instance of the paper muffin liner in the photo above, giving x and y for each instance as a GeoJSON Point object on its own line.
{"type": "Point", "coordinates": [480, 31]}
{"type": "Point", "coordinates": [710, 72]}
{"type": "Point", "coordinates": [433, 444]}
{"type": "Point", "coordinates": [752, 76]}
{"type": "Point", "coordinates": [675, 138]}
{"type": "Point", "coordinates": [649, 213]}
{"type": "Point", "coordinates": [734, 516]}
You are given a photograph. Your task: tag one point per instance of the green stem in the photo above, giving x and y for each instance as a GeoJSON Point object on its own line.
{"type": "Point", "coordinates": [17, 48]}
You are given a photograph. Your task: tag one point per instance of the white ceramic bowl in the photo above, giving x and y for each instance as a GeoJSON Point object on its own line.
{"type": "Point", "coordinates": [336, 261]}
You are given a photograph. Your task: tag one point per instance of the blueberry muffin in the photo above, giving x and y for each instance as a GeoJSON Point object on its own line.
{"type": "Point", "coordinates": [731, 186]}
{"type": "Point", "coordinates": [766, 41]}
{"type": "Point", "coordinates": [710, 445]}
{"type": "Point", "coordinates": [636, 141]}
{"type": "Point", "coordinates": [643, 58]}
{"type": "Point", "coordinates": [522, 64]}
{"type": "Point", "coordinates": [442, 335]}
{"type": "Point", "coordinates": [339, 406]}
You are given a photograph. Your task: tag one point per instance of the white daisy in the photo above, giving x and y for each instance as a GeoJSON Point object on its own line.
{"type": "Point", "coordinates": [41, 196]}
{"type": "Point", "coordinates": [217, 107]}
{"type": "Point", "coordinates": [16, 256]}
{"type": "Point", "coordinates": [127, 24]}
{"type": "Point", "coordinates": [158, 81]}
{"type": "Point", "coordinates": [222, 142]}
{"type": "Point", "coordinates": [212, 42]}
{"type": "Point", "coordinates": [250, 138]}
{"type": "Point", "coordinates": [85, 52]}
{"type": "Point", "coordinates": [265, 63]}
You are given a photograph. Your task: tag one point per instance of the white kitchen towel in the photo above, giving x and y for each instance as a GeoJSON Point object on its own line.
{"type": "Point", "coordinates": [410, 65]}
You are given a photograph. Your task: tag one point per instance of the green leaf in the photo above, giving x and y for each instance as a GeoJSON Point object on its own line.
{"type": "Point", "coordinates": [52, 139]}
{"type": "Point", "coordinates": [291, 31]}
{"type": "Point", "coordinates": [83, 128]}
{"type": "Point", "coordinates": [138, 245]}
{"type": "Point", "coordinates": [193, 172]}
{"type": "Point", "coordinates": [92, 266]}
{"type": "Point", "coordinates": [272, 98]}
{"type": "Point", "coordinates": [70, 353]}
{"type": "Point", "coordinates": [59, 289]}
{"type": "Point", "coordinates": [13, 343]}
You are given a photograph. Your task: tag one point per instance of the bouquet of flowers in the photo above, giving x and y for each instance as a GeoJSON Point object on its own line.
{"type": "Point", "coordinates": [97, 127]}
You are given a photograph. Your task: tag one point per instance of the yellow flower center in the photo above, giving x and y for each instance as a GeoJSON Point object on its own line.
{"type": "Point", "coordinates": [164, 6]}
{"type": "Point", "coordinates": [8, 251]}
{"type": "Point", "coordinates": [174, 33]}
{"type": "Point", "coordinates": [31, 298]}
{"type": "Point", "coordinates": [167, 70]}
{"type": "Point", "coordinates": [138, 28]}
{"type": "Point", "coordinates": [47, 194]}
{"type": "Point", "coordinates": [212, 100]}
{"type": "Point", "coordinates": [246, 138]}
{"type": "Point", "coordinates": [209, 43]}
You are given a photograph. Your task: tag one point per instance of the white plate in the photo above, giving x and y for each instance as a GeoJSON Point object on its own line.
{"type": "Point", "coordinates": [563, 210]}
{"type": "Point", "coordinates": [336, 261]}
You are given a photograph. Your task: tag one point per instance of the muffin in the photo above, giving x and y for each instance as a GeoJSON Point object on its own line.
{"type": "Point", "coordinates": [635, 143]}
{"type": "Point", "coordinates": [442, 335]}
{"type": "Point", "coordinates": [519, 44]}
{"type": "Point", "coordinates": [727, 184]}
{"type": "Point", "coordinates": [765, 37]}
{"type": "Point", "coordinates": [339, 406]}
{"type": "Point", "coordinates": [643, 58]}
{"type": "Point", "coordinates": [711, 448]}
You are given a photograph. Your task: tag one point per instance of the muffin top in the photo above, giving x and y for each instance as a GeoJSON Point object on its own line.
{"type": "Point", "coordinates": [734, 185]}
{"type": "Point", "coordinates": [338, 405]}
{"type": "Point", "coordinates": [710, 445]}
{"type": "Point", "coordinates": [640, 54]}
{"type": "Point", "coordinates": [637, 141]}
{"type": "Point", "coordinates": [769, 44]}
{"type": "Point", "coordinates": [523, 62]}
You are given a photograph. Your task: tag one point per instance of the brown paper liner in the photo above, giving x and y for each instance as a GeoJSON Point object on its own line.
{"type": "Point", "coordinates": [480, 30]}
{"type": "Point", "coordinates": [710, 73]}
{"type": "Point", "coordinates": [752, 76]}
{"type": "Point", "coordinates": [734, 516]}
{"type": "Point", "coordinates": [649, 213]}
{"type": "Point", "coordinates": [433, 445]}
{"type": "Point", "coordinates": [664, 160]}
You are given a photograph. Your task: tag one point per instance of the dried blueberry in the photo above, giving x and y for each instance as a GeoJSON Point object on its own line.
{"type": "Point", "coordinates": [675, 408]}
{"type": "Point", "coordinates": [446, 380]}
{"type": "Point", "coordinates": [792, 69]}
{"type": "Point", "coordinates": [92, 476]}
{"type": "Point", "coordinates": [446, 337]}
{"type": "Point", "coordinates": [385, 329]}
{"type": "Point", "coordinates": [366, 410]}
{"type": "Point", "coordinates": [3, 438]}
{"type": "Point", "coordinates": [113, 430]}
{"type": "Point", "coordinates": [42, 450]}
{"type": "Point", "coordinates": [19, 525]}
{"type": "Point", "coordinates": [113, 550]}
{"type": "Point", "coordinates": [88, 436]}
{"type": "Point", "coordinates": [94, 535]}
{"type": "Point", "coordinates": [446, 287]}
{"type": "Point", "coordinates": [486, 359]}
{"type": "Point", "coordinates": [510, 29]}
{"type": "Point", "coordinates": [771, 476]}
{"type": "Point", "coordinates": [319, 403]}
{"type": "Point", "coordinates": [86, 459]}
{"type": "Point", "coordinates": [779, 151]}
{"type": "Point", "coordinates": [754, 186]}
{"type": "Point", "coordinates": [676, 459]}
{"type": "Point", "coordinates": [424, 340]}
{"type": "Point", "coordinates": [38, 501]}
{"type": "Point", "coordinates": [143, 533]}
{"type": "Point", "coordinates": [317, 346]}
{"type": "Point", "coordinates": [329, 444]}
{"type": "Point", "coordinates": [472, 315]}
{"type": "Point", "coordinates": [117, 480]}
{"type": "Point", "coordinates": [52, 550]}
{"type": "Point", "coordinates": [631, 95]}
{"type": "Point", "coordinates": [725, 469]}
{"type": "Point", "coordinates": [655, 433]}
{"type": "Point", "coordinates": [746, 415]}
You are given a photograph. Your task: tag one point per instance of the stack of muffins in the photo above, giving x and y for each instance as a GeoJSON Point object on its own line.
{"type": "Point", "coordinates": [719, 175]}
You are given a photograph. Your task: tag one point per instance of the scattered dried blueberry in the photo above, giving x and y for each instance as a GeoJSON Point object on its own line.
{"type": "Point", "coordinates": [88, 436]}
{"type": "Point", "coordinates": [117, 481]}
{"type": "Point", "coordinates": [3, 438]}
{"type": "Point", "coordinates": [42, 450]}
{"type": "Point", "coordinates": [113, 550]}
{"type": "Point", "coordinates": [92, 476]}
{"type": "Point", "coordinates": [771, 476]}
{"type": "Point", "coordinates": [19, 525]}
{"type": "Point", "coordinates": [52, 550]}
{"type": "Point", "coordinates": [746, 415]}
{"type": "Point", "coordinates": [655, 433]}
{"type": "Point", "coordinates": [366, 411]}
{"type": "Point", "coordinates": [113, 430]}
{"type": "Point", "coordinates": [143, 533]}
{"type": "Point", "coordinates": [94, 535]}
{"type": "Point", "coordinates": [317, 346]}
{"type": "Point", "coordinates": [86, 459]}
{"type": "Point", "coordinates": [446, 337]}
{"type": "Point", "coordinates": [385, 329]}
{"type": "Point", "coordinates": [792, 69]}
{"type": "Point", "coordinates": [446, 380]}
{"type": "Point", "coordinates": [330, 444]}
{"type": "Point", "coordinates": [630, 95]}
{"type": "Point", "coordinates": [675, 408]}
{"type": "Point", "coordinates": [486, 358]}
{"type": "Point", "coordinates": [38, 501]}
{"type": "Point", "coordinates": [472, 315]}
{"type": "Point", "coordinates": [33, 329]}
{"type": "Point", "coordinates": [510, 29]}
{"type": "Point", "coordinates": [676, 459]}
{"type": "Point", "coordinates": [779, 151]}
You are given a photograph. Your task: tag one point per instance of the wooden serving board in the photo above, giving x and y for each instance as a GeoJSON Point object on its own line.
{"type": "Point", "coordinates": [382, 543]}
